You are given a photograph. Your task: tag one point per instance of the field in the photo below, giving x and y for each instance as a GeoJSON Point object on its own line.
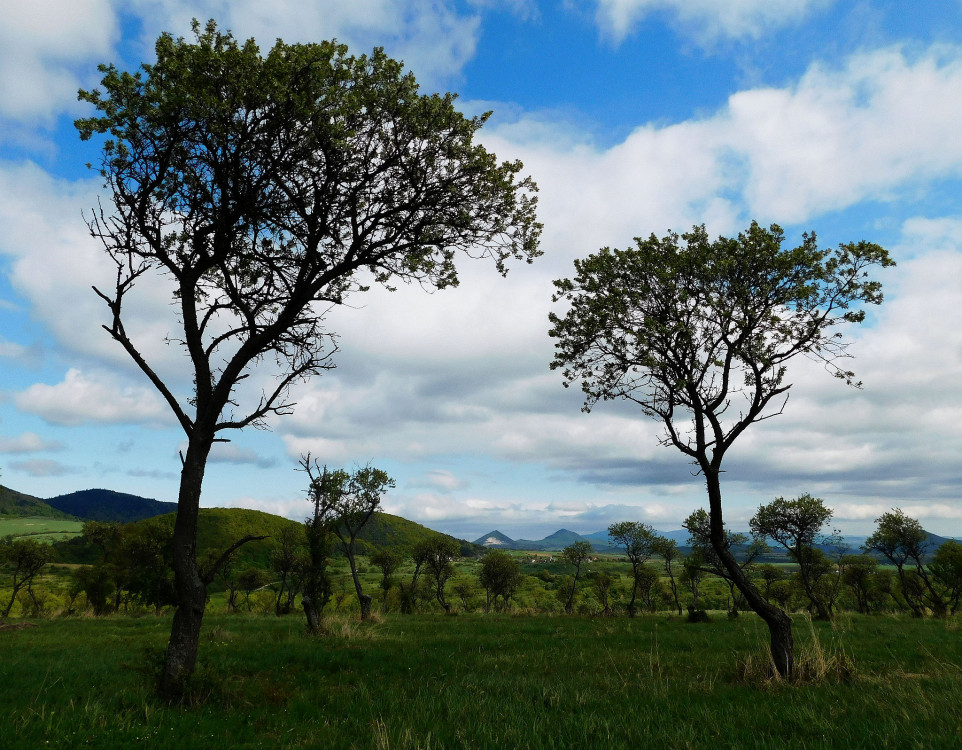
{"type": "Point", "coordinates": [485, 681]}
{"type": "Point", "coordinates": [43, 529]}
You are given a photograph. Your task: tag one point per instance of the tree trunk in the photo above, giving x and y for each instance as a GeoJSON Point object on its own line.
{"type": "Point", "coordinates": [189, 588]}
{"type": "Point", "coordinates": [310, 611]}
{"type": "Point", "coordinates": [364, 600]}
{"type": "Point", "coordinates": [779, 623]}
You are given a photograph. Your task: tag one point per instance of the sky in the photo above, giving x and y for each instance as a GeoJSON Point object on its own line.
{"type": "Point", "coordinates": [634, 117]}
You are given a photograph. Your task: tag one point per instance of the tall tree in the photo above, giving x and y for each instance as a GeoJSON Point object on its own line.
{"type": "Point", "coordinates": [265, 189]}
{"type": "Point", "coordinates": [343, 503]}
{"type": "Point", "coordinates": [699, 332]}
{"type": "Point", "coordinates": [575, 554]}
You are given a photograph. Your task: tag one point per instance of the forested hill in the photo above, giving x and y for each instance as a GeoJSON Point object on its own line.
{"type": "Point", "coordinates": [107, 505]}
{"type": "Point", "coordinates": [17, 504]}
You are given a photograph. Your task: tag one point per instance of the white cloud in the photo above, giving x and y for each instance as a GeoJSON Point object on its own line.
{"type": "Point", "coordinates": [48, 48]}
{"type": "Point", "coordinates": [432, 38]}
{"type": "Point", "coordinates": [228, 453]}
{"type": "Point", "coordinates": [880, 126]}
{"type": "Point", "coordinates": [709, 19]}
{"type": "Point", "coordinates": [28, 442]}
{"type": "Point", "coordinates": [85, 397]}
{"type": "Point", "coordinates": [439, 480]}
{"type": "Point", "coordinates": [42, 467]}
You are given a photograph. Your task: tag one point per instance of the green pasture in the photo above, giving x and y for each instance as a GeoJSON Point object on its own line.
{"type": "Point", "coordinates": [42, 529]}
{"type": "Point", "coordinates": [475, 681]}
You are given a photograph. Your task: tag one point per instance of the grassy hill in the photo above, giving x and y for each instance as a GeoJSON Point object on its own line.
{"type": "Point", "coordinates": [219, 528]}
{"type": "Point", "coordinates": [18, 505]}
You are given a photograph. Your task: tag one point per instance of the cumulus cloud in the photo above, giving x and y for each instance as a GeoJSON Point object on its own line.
{"type": "Point", "coordinates": [47, 50]}
{"type": "Point", "coordinates": [708, 19]}
{"type": "Point", "coordinates": [878, 127]}
{"type": "Point", "coordinates": [28, 442]}
{"type": "Point", "coordinates": [92, 397]}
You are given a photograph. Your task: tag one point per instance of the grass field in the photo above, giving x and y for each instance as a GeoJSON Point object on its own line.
{"type": "Point", "coordinates": [474, 681]}
{"type": "Point", "coordinates": [43, 529]}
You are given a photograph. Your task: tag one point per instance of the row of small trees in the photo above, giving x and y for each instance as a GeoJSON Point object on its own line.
{"type": "Point", "coordinates": [129, 567]}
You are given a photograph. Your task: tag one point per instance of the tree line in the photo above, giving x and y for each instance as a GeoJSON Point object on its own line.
{"type": "Point", "coordinates": [897, 570]}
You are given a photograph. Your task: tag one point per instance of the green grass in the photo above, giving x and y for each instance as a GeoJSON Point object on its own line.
{"type": "Point", "coordinates": [475, 681]}
{"type": "Point", "coordinates": [42, 529]}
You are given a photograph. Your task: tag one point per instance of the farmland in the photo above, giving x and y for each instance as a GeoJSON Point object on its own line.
{"type": "Point", "coordinates": [43, 529]}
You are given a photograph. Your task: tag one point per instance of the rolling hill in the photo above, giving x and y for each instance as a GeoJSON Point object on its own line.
{"type": "Point", "coordinates": [18, 505]}
{"type": "Point", "coordinates": [219, 528]}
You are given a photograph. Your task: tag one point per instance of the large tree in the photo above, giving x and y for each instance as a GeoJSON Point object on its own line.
{"type": "Point", "coordinates": [699, 332]}
{"type": "Point", "coordinates": [264, 189]}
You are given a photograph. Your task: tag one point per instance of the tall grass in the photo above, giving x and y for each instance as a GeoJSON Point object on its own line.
{"type": "Point", "coordinates": [483, 682]}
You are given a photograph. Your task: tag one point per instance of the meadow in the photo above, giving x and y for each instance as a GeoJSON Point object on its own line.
{"type": "Point", "coordinates": [484, 681]}
{"type": "Point", "coordinates": [42, 529]}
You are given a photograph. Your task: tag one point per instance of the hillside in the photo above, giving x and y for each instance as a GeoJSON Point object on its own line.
{"type": "Point", "coordinates": [219, 528]}
{"type": "Point", "coordinates": [107, 505]}
{"type": "Point", "coordinates": [18, 505]}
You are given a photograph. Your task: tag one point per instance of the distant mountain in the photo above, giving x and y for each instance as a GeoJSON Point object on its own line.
{"type": "Point", "coordinates": [496, 540]}
{"type": "Point", "coordinates": [557, 541]}
{"type": "Point", "coordinates": [17, 504]}
{"type": "Point", "coordinates": [107, 505]}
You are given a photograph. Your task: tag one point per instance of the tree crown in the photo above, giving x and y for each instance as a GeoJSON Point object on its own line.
{"type": "Point", "coordinates": [684, 325]}
{"type": "Point", "coordinates": [266, 187]}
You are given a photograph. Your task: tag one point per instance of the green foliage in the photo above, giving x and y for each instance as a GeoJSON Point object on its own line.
{"type": "Point", "coordinates": [670, 322]}
{"type": "Point", "coordinates": [499, 576]}
{"type": "Point", "coordinates": [904, 542]}
{"type": "Point", "coordinates": [797, 526]}
{"type": "Point", "coordinates": [21, 560]}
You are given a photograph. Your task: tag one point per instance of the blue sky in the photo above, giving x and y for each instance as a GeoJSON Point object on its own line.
{"type": "Point", "coordinates": [634, 116]}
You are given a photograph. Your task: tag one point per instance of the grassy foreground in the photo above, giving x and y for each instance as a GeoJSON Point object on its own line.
{"type": "Point", "coordinates": [476, 681]}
